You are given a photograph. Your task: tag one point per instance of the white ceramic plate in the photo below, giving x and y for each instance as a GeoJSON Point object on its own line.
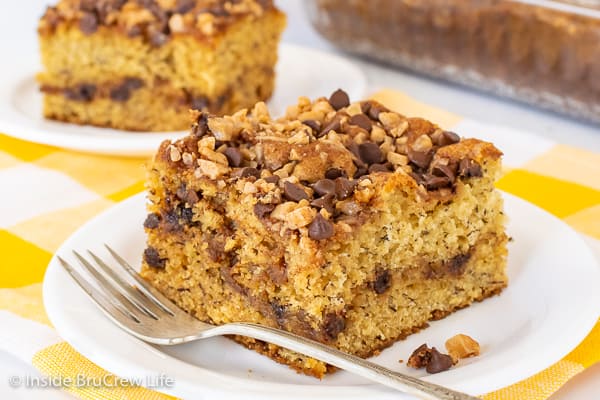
{"type": "Point", "coordinates": [550, 305]}
{"type": "Point", "coordinates": [298, 74]}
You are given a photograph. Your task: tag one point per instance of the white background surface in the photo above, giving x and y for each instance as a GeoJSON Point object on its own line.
{"type": "Point", "coordinates": [17, 37]}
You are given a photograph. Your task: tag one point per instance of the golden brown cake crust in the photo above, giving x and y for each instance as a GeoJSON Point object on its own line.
{"type": "Point", "coordinates": [346, 223]}
{"type": "Point", "coordinates": [155, 20]}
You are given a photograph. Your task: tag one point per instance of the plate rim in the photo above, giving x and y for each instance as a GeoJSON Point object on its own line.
{"type": "Point", "coordinates": [13, 123]}
{"type": "Point", "coordinates": [235, 385]}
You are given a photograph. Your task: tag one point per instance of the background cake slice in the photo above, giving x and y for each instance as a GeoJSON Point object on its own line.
{"type": "Point", "coordinates": [142, 64]}
{"type": "Point", "coordinates": [345, 223]}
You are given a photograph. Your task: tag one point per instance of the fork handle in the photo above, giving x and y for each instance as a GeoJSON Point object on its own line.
{"type": "Point", "coordinates": [348, 362]}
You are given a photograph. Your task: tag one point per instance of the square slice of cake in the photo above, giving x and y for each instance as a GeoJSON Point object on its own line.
{"type": "Point", "coordinates": [346, 223]}
{"type": "Point", "coordinates": [142, 64]}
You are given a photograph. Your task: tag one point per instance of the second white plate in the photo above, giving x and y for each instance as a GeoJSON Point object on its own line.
{"type": "Point", "coordinates": [298, 74]}
{"type": "Point", "coordinates": [550, 305]}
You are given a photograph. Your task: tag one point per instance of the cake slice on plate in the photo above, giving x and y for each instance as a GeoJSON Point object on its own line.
{"type": "Point", "coordinates": [142, 64]}
{"type": "Point", "coordinates": [346, 223]}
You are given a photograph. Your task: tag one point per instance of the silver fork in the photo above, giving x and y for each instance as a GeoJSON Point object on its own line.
{"type": "Point", "coordinates": [145, 313]}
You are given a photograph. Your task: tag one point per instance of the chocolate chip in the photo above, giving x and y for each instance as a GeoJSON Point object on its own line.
{"type": "Point", "coordinates": [152, 221]}
{"type": "Point", "coordinates": [83, 92]}
{"type": "Point", "coordinates": [353, 148]}
{"type": "Point", "coordinates": [339, 99]}
{"type": "Point", "coordinates": [420, 357]}
{"type": "Point", "coordinates": [324, 186]}
{"type": "Point", "coordinates": [157, 38]}
{"type": "Point", "coordinates": [374, 110]}
{"type": "Point", "coordinates": [320, 228]}
{"type": "Point", "coordinates": [360, 171]}
{"type": "Point", "coordinates": [446, 138]}
{"type": "Point", "coordinates": [314, 125]}
{"type": "Point", "coordinates": [188, 196]}
{"type": "Point", "coordinates": [326, 202]}
{"type": "Point", "coordinates": [362, 120]}
{"type": "Point", "coordinates": [133, 83]}
{"type": "Point", "coordinates": [87, 5]}
{"type": "Point", "coordinates": [457, 264]}
{"type": "Point", "coordinates": [152, 258]}
{"type": "Point", "coordinates": [153, 7]}
{"type": "Point", "coordinates": [421, 159]}
{"type": "Point", "coordinates": [365, 106]}
{"type": "Point", "coordinates": [272, 179]}
{"type": "Point", "coordinates": [123, 91]}
{"type": "Point", "coordinates": [469, 168]}
{"type": "Point", "coordinates": [294, 192]}
{"type": "Point", "coordinates": [199, 103]}
{"type": "Point", "coordinates": [263, 210]}
{"type": "Point", "coordinates": [216, 10]}
{"type": "Point", "coordinates": [333, 173]}
{"type": "Point", "coordinates": [248, 172]}
{"type": "Point", "coordinates": [370, 153]}
{"type": "Point", "coordinates": [444, 171]}
{"type": "Point", "coordinates": [332, 126]}
{"type": "Point", "coordinates": [200, 128]}
{"type": "Point", "coordinates": [234, 156]}
{"type": "Point", "coordinates": [383, 281]}
{"type": "Point", "coordinates": [184, 6]}
{"type": "Point", "coordinates": [171, 219]}
{"type": "Point", "coordinates": [432, 182]}
{"type": "Point", "coordinates": [438, 362]}
{"type": "Point", "coordinates": [120, 93]}
{"type": "Point", "coordinates": [379, 168]}
{"type": "Point", "coordinates": [106, 7]}
{"type": "Point", "coordinates": [344, 188]}
{"type": "Point", "coordinates": [279, 310]}
{"type": "Point", "coordinates": [215, 249]}
{"type": "Point", "coordinates": [334, 324]}
{"type": "Point", "coordinates": [418, 178]}
{"type": "Point", "coordinates": [88, 23]}
{"type": "Point", "coordinates": [134, 31]}
{"type": "Point", "coordinates": [187, 215]}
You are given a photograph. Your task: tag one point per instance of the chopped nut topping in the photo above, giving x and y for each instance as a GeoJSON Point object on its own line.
{"type": "Point", "coordinates": [282, 210]}
{"type": "Point", "coordinates": [378, 134]}
{"type": "Point", "coordinates": [188, 159]}
{"type": "Point", "coordinates": [210, 169]}
{"type": "Point", "coordinates": [174, 153]}
{"type": "Point", "coordinates": [300, 217]}
{"type": "Point", "coordinates": [223, 128]}
{"type": "Point", "coordinates": [212, 155]}
{"type": "Point", "coordinates": [299, 138]}
{"type": "Point", "coordinates": [326, 159]}
{"type": "Point", "coordinates": [397, 159]}
{"type": "Point", "coordinates": [260, 112]}
{"type": "Point", "coordinates": [176, 23]}
{"type": "Point", "coordinates": [400, 129]}
{"type": "Point", "coordinates": [462, 346]}
{"type": "Point", "coordinates": [390, 120]}
{"type": "Point", "coordinates": [422, 144]}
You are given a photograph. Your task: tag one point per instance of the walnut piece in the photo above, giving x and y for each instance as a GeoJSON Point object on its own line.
{"type": "Point", "coordinates": [462, 346]}
{"type": "Point", "coordinates": [174, 153]}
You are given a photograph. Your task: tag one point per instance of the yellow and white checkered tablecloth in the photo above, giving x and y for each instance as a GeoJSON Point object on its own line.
{"type": "Point", "coordinates": [47, 193]}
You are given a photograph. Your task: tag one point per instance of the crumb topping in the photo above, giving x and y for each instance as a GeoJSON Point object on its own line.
{"type": "Point", "coordinates": [317, 166]}
{"type": "Point", "coordinates": [154, 20]}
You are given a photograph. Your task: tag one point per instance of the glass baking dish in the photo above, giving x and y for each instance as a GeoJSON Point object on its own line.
{"type": "Point", "coordinates": [542, 52]}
